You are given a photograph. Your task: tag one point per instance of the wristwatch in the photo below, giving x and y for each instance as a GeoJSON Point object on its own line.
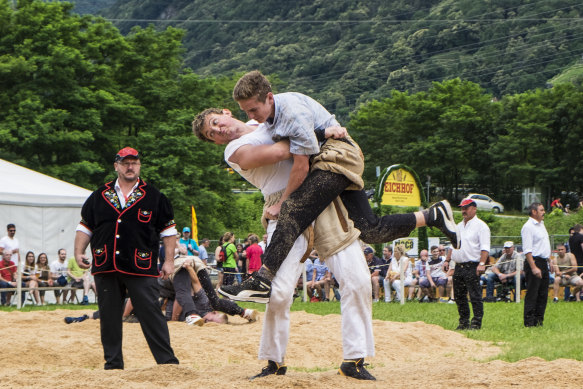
{"type": "Point", "coordinates": [482, 263]}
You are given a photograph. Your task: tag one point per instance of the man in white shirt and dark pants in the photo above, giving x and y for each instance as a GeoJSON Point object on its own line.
{"type": "Point", "coordinates": [537, 251]}
{"type": "Point", "coordinates": [470, 260]}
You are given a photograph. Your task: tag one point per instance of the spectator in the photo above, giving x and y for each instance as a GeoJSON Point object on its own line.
{"type": "Point", "coordinates": [504, 271]}
{"type": "Point", "coordinates": [393, 277]}
{"type": "Point", "coordinates": [449, 273]}
{"type": "Point", "coordinates": [230, 264]}
{"type": "Point", "coordinates": [9, 242]}
{"type": "Point", "coordinates": [320, 279]}
{"type": "Point", "coordinates": [43, 274]}
{"type": "Point", "coordinates": [537, 250]}
{"type": "Point", "coordinates": [219, 265]}
{"type": "Point", "coordinates": [241, 262]}
{"type": "Point", "coordinates": [566, 273]}
{"type": "Point", "coordinates": [188, 242]}
{"type": "Point", "coordinates": [81, 279]}
{"type": "Point", "coordinates": [29, 276]}
{"type": "Point", "coordinates": [253, 252]}
{"type": "Point", "coordinates": [576, 246]}
{"type": "Point", "coordinates": [556, 203]}
{"type": "Point", "coordinates": [202, 253]}
{"type": "Point", "coordinates": [263, 243]}
{"type": "Point", "coordinates": [420, 274]}
{"type": "Point", "coordinates": [470, 261]}
{"type": "Point", "coordinates": [59, 275]}
{"type": "Point", "coordinates": [375, 265]}
{"type": "Point", "coordinates": [436, 279]}
{"type": "Point", "coordinates": [7, 276]}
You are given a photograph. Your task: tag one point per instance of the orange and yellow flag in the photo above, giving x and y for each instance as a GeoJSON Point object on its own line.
{"type": "Point", "coordinates": [194, 235]}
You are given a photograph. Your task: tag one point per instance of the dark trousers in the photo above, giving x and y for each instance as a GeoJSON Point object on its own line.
{"type": "Point", "coordinates": [306, 203]}
{"type": "Point", "coordinates": [182, 287]}
{"type": "Point", "coordinates": [465, 280]}
{"type": "Point", "coordinates": [144, 293]}
{"type": "Point", "coordinates": [537, 293]}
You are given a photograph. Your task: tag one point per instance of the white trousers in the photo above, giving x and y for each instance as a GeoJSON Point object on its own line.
{"type": "Point", "coordinates": [351, 271]}
{"type": "Point", "coordinates": [397, 286]}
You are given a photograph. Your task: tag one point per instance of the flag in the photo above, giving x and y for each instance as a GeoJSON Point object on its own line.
{"type": "Point", "coordinates": [194, 234]}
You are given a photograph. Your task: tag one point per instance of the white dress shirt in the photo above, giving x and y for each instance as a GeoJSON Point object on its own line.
{"type": "Point", "coordinates": [475, 238]}
{"type": "Point", "coordinates": [535, 239]}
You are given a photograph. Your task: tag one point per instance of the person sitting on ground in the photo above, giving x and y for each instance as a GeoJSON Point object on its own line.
{"type": "Point", "coordinates": [320, 279]}
{"type": "Point", "coordinates": [81, 279]}
{"type": "Point", "coordinates": [43, 275]}
{"type": "Point", "coordinates": [504, 271]}
{"type": "Point", "coordinates": [29, 276]}
{"type": "Point", "coordinates": [436, 279]}
{"type": "Point", "coordinates": [393, 277]}
{"type": "Point", "coordinates": [566, 273]}
{"type": "Point", "coordinates": [377, 271]}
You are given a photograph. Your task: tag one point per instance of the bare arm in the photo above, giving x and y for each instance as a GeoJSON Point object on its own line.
{"type": "Point", "coordinates": [81, 243]}
{"type": "Point", "coordinates": [298, 174]}
{"type": "Point", "coordinates": [168, 266]}
{"type": "Point", "coordinates": [251, 157]}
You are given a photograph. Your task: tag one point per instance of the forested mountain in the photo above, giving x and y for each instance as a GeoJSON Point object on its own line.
{"type": "Point", "coordinates": [346, 52]}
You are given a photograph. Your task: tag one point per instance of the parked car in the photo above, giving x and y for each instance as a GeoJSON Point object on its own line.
{"type": "Point", "coordinates": [485, 203]}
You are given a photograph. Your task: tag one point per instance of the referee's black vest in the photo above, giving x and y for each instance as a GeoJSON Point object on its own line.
{"type": "Point", "coordinates": [126, 240]}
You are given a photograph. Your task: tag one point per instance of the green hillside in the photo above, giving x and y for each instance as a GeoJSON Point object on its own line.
{"type": "Point", "coordinates": [347, 52]}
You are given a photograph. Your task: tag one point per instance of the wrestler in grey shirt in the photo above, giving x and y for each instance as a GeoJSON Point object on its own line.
{"type": "Point", "coordinates": [296, 117]}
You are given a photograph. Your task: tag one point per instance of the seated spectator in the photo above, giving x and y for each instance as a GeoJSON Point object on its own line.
{"type": "Point", "coordinates": [504, 271]}
{"type": "Point", "coordinates": [377, 271]}
{"type": "Point", "coordinates": [81, 279]}
{"type": "Point", "coordinates": [419, 274]}
{"type": "Point", "coordinates": [449, 287]}
{"type": "Point", "coordinates": [7, 276]}
{"type": "Point", "coordinates": [43, 275]}
{"type": "Point", "coordinates": [436, 279]}
{"type": "Point", "coordinates": [556, 203]}
{"type": "Point", "coordinates": [320, 281]}
{"type": "Point", "coordinates": [254, 252]}
{"type": "Point", "coordinates": [393, 277]}
{"type": "Point", "coordinates": [566, 273]}
{"type": "Point", "coordinates": [29, 276]}
{"type": "Point", "coordinates": [59, 275]}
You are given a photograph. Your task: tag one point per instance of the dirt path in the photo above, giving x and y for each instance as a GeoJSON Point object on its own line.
{"type": "Point", "coordinates": [42, 351]}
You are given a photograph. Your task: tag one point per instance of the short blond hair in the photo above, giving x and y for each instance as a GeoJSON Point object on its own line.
{"type": "Point", "coordinates": [252, 84]}
{"type": "Point", "coordinates": [199, 120]}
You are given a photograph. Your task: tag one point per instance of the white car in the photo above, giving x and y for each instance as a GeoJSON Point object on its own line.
{"type": "Point", "coordinates": [485, 203]}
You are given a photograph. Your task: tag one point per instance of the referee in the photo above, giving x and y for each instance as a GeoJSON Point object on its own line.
{"type": "Point", "coordinates": [537, 250]}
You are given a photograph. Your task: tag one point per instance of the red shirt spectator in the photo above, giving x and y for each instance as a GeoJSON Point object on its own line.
{"type": "Point", "coordinates": [253, 257]}
{"type": "Point", "coordinates": [7, 269]}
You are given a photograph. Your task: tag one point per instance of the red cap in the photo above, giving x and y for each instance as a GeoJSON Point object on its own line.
{"type": "Point", "coordinates": [126, 152]}
{"type": "Point", "coordinates": [467, 202]}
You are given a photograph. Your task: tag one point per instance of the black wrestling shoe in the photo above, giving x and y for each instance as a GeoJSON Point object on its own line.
{"type": "Point", "coordinates": [463, 326]}
{"type": "Point", "coordinates": [355, 368]}
{"type": "Point", "coordinates": [440, 216]}
{"type": "Point", "coordinates": [255, 289]}
{"type": "Point", "coordinates": [271, 368]}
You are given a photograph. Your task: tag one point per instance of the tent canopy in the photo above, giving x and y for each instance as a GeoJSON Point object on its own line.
{"type": "Point", "coordinates": [26, 187]}
{"type": "Point", "coordinates": [45, 210]}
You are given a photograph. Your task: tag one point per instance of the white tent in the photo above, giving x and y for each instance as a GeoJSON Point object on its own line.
{"type": "Point", "coordinates": [45, 210]}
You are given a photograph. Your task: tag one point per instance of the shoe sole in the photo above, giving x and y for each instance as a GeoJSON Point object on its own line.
{"type": "Point", "coordinates": [243, 297]}
{"type": "Point", "coordinates": [450, 223]}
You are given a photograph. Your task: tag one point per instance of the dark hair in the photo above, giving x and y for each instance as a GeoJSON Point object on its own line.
{"type": "Point", "coordinates": [434, 248]}
{"type": "Point", "coordinates": [252, 84]}
{"type": "Point", "coordinates": [198, 122]}
{"type": "Point", "coordinates": [533, 207]}
{"type": "Point", "coordinates": [577, 228]}
{"type": "Point", "coordinates": [10, 226]}
{"type": "Point", "coordinates": [59, 251]}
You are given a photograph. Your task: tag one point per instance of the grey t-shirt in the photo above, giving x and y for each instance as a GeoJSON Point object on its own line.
{"type": "Point", "coordinates": [296, 117]}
